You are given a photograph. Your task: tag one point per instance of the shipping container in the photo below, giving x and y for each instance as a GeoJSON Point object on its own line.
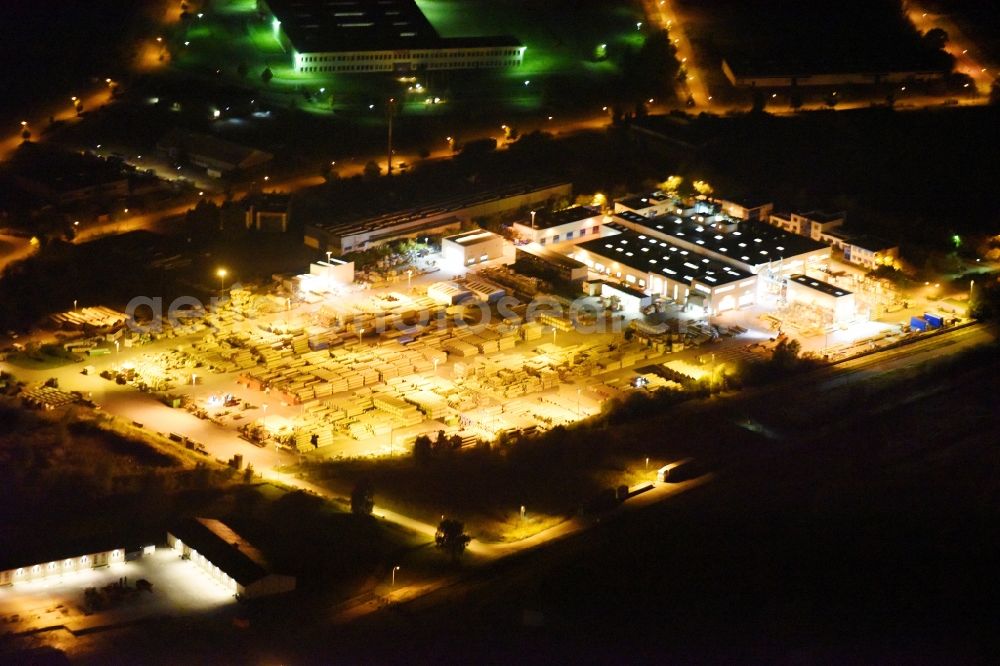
{"type": "Point", "coordinates": [935, 320]}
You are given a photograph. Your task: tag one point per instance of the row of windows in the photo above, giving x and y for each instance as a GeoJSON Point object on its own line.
{"type": "Point", "coordinates": [388, 66]}
{"type": "Point", "coordinates": [435, 55]}
{"type": "Point", "coordinates": [66, 564]}
{"type": "Point", "coordinates": [569, 235]}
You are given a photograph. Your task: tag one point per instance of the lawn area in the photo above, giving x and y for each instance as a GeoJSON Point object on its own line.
{"type": "Point", "coordinates": [560, 61]}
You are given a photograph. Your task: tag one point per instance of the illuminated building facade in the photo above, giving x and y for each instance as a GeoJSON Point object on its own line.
{"type": "Point", "coordinates": [366, 36]}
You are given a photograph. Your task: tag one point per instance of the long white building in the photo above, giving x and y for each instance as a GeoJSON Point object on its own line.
{"type": "Point", "coordinates": [367, 36]}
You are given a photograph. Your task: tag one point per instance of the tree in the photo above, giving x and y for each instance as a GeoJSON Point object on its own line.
{"type": "Point", "coordinates": [451, 538]}
{"type": "Point", "coordinates": [795, 98]}
{"type": "Point", "coordinates": [671, 184]}
{"type": "Point", "coordinates": [372, 170]}
{"type": "Point", "coordinates": [363, 498]}
{"type": "Point", "coordinates": [422, 451]}
{"type": "Point", "coordinates": [241, 70]}
{"type": "Point", "coordinates": [936, 38]}
{"type": "Point", "coordinates": [786, 354]}
{"type": "Point", "coordinates": [995, 93]}
{"type": "Point", "coordinates": [266, 75]}
{"type": "Point", "coordinates": [759, 102]}
{"type": "Point", "coordinates": [831, 100]}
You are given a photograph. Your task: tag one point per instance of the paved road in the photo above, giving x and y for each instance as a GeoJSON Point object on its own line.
{"type": "Point", "coordinates": [969, 59]}
{"type": "Point", "coordinates": [14, 248]}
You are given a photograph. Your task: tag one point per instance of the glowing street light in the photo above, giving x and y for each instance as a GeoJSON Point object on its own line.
{"type": "Point", "coordinates": [222, 272]}
{"type": "Point", "coordinates": [361, 332]}
{"type": "Point", "coordinates": [394, 570]}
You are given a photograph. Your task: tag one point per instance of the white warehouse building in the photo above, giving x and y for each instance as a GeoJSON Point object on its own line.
{"type": "Point", "coordinates": [228, 558]}
{"type": "Point", "coordinates": [661, 268]}
{"type": "Point", "coordinates": [838, 302]}
{"type": "Point", "coordinates": [469, 248]}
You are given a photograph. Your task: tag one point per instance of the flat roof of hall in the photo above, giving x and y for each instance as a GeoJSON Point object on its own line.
{"type": "Point", "coordinates": [423, 203]}
{"type": "Point", "coordinates": [751, 242]}
{"type": "Point", "coordinates": [820, 286]}
{"type": "Point", "coordinates": [654, 255]}
{"type": "Point", "coordinates": [640, 201]}
{"type": "Point", "coordinates": [365, 25]}
{"type": "Point", "coordinates": [473, 237]}
{"type": "Point", "coordinates": [547, 220]}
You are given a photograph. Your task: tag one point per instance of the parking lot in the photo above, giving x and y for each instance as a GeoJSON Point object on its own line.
{"type": "Point", "coordinates": [178, 587]}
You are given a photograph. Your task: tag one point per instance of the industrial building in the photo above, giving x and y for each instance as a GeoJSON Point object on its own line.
{"type": "Point", "coordinates": [470, 247]}
{"type": "Point", "coordinates": [356, 233]}
{"type": "Point", "coordinates": [365, 36]}
{"type": "Point", "coordinates": [327, 275]}
{"type": "Point", "coordinates": [228, 558]}
{"type": "Point", "coordinates": [662, 268]}
{"type": "Point", "coordinates": [63, 177]}
{"type": "Point", "coordinates": [16, 571]}
{"type": "Point", "coordinates": [815, 224]}
{"type": "Point", "coordinates": [566, 225]}
{"type": "Point", "coordinates": [839, 302]}
{"type": "Point", "coordinates": [745, 208]}
{"type": "Point", "coordinates": [745, 72]}
{"type": "Point", "coordinates": [653, 204]}
{"type": "Point", "coordinates": [216, 156]}
{"type": "Point", "coordinates": [265, 211]}
{"type": "Point", "coordinates": [868, 251]}
{"type": "Point", "coordinates": [537, 260]}
{"type": "Point", "coordinates": [750, 246]}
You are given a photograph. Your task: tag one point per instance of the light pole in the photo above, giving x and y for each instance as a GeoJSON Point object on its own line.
{"type": "Point", "coordinates": [972, 283]}
{"type": "Point", "coordinates": [222, 272]}
{"type": "Point", "coordinates": [436, 366]}
{"type": "Point", "coordinates": [361, 332]}
{"type": "Point", "coordinates": [394, 570]}
{"type": "Point", "coordinates": [409, 276]}
{"type": "Point", "coordinates": [578, 402]}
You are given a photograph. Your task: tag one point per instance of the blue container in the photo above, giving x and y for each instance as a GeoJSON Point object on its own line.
{"type": "Point", "coordinates": [936, 321]}
{"type": "Point", "coordinates": [918, 324]}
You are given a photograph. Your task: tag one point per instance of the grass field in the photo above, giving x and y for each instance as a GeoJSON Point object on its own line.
{"type": "Point", "coordinates": [559, 63]}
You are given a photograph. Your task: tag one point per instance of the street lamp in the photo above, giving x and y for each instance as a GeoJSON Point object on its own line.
{"type": "Point", "coordinates": [578, 401]}
{"type": "Point", "coordinates": [394, 570]}
{"type": "Point", "coordinates": [222, 272]}
{"type": "Point", "coordinates": [409, 276]}
{"type": "Point", "coordinates": [361, 332]}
